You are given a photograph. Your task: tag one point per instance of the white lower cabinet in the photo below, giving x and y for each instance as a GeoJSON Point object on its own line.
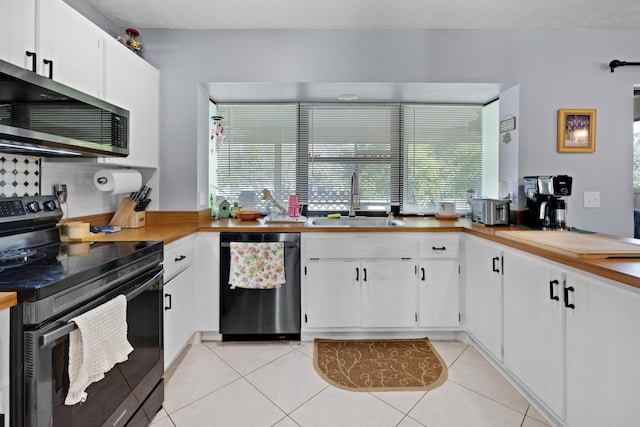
{"type": "Point", "coordinates": [438, 293]}
{"type": "Point", "coordinates": [439, 280]}
{"type": "Point", "coordinates": [603, 344]}
{"type": "Point", "coordinates": [354, 294]}
{"type": "Point", "coordinates": [389, 294]}
{"type": "Point", "coordinates": [569, 338]}
{"type": "Point", "coordinates": [359, 280]}
{"type": "Point", "coordinates": [333, 294]}
{"type": "Point", "coordinates": [179, 298]}
{"type": "Point", "coordinates": [483, 293]}
{"type": "Point", "coordinates": [534, 326]}
{"type": "Point", "coordinates": [208, 282]}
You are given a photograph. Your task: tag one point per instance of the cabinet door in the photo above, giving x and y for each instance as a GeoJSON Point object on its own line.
{"type": "Point", "coordinates": [74, 44]}
{"type": "Point", "coordinates": [439, 282]}
{"type": "Point", "coordinates": [533, 326]}
{"type": "Point", "coordinates": [332, 294]}
{"type": "Point", "coordinates": [17, 31]}
{"type": "Point", "coordinates": [179, 321]}
{"type": "Point", "coordinates": [134, 85]}
{"type": "Point", "coordinates": [389, 294]}
{"type": "Point", "coordinates": [603, 343]}
{"type": "Point", "coordinates": [208, 282]}
{"type": "Point", "coordinates": [483, 293]}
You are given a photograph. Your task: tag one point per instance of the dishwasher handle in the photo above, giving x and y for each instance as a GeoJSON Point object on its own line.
{"type": "Point", "coordinates": [286, 244]}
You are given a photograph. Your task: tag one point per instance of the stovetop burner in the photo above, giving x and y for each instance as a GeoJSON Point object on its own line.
{"type": "Point", "coordinates": [13, 258]}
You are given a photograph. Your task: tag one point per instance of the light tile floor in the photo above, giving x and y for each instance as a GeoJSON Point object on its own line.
{"type": "Point", "coordinates": [274, 384]}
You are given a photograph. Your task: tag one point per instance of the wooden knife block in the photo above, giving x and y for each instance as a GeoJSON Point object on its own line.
{"type": "Point", "coordinates": [127, 217]}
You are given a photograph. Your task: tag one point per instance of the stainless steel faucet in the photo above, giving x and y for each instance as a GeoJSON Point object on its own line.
{"type": "Point", "coordinates": [354, 197]}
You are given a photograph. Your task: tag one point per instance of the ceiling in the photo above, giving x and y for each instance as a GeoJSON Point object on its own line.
{"type": "Point", "coordinates": [370, 15]}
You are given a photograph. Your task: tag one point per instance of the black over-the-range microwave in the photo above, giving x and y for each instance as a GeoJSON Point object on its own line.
{"type": "Point", "coordinates": [42, 117]}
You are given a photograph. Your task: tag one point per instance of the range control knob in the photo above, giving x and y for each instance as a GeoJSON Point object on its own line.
{"type": "Point", "coordinates": [49, 205]}
{"type": "Point", "coordinates": [33, 207]}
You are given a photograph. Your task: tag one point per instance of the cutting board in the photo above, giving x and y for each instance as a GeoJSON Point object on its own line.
{"type": "Point", "coordinates": [574, 244]}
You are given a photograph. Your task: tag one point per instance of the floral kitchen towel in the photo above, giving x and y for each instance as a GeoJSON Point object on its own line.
{"type": "Point", "coordinates": [257, 265]}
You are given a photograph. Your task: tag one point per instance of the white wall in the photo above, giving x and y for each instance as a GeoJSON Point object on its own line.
{"type": "Point", "coordinates": [83, 197]}
{"type": "Point", "coordinates": [554, 69]}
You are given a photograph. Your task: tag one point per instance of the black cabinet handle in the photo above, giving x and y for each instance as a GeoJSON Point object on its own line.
{"type": "Point", "coordinates": [49, 62]}
{"type": "Point", "coordinates": [495, 260]}
{"type": "Point", "coordinates": [364, 274]}
{"type": "Point", "coordinates": [180, 258]}
{"type": "Point", "coordinates": [357, 274]}
{"type": "Point", "coordinates": [167, 307]}
{"type": "Point", "coordinates": [444, 248]}
{"type": "Point", "coordinates": [34, 60]}
{"type": "Point", "coordinates": [423, 274]}
{"type": "Point", "coordinates": [551, 294]}
{"type": "Point", "coordinates": [566, 297]}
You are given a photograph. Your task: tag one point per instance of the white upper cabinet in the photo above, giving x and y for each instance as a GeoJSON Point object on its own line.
{"type": "Point", "coordinates": [71, 48]}
{"type": "Point", "coordinates": [54, 40]}
{"type": "Point", "coordinates": [133, 84]}
{"type": "Point", "coordinates": [18, 32]}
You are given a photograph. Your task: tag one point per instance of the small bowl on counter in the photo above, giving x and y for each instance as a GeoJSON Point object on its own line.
{"type": "Point", "coordinates": [246, 215]}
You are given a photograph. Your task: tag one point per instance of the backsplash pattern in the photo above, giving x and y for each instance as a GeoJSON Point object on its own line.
{"type": "Point", "coordinates": [20, 175]}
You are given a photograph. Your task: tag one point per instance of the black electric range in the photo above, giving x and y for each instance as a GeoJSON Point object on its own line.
{"type": "Point", "coordinates": [57, 281]}
{"type": "Point", "coordinates": [46, 270]}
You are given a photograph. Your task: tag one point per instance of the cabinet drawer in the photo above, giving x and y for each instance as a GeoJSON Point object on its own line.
{"type": "Point", "coordinates": [177, 257]}
{"type": "Point", "coordinates": [439, 245]}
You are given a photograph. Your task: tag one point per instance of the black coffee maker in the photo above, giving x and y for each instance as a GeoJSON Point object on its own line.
{"type": "Point", "coordinates": [545, 208]}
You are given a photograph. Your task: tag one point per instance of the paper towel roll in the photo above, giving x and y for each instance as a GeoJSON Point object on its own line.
{"type": "Point", "coordinates": [117, 181]}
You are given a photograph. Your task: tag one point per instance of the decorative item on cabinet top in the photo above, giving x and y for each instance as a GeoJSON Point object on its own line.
{"type": "Point", "coordinates": [131, 42]}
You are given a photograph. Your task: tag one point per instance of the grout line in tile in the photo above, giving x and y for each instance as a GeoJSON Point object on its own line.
{"type": "Point", "coordinates": [487, 397]}
{"type": "Point", "coordinates": [259, 367]}
{"type": "Point", "coordinates": [460, 355]}
{"type": "Point", "coordinates": [412, 419]}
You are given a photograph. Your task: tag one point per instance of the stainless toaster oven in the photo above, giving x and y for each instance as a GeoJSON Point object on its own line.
{"type": "Point", "coordinates": [490, 211]}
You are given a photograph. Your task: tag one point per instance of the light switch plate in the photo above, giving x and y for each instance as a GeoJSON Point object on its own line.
{"type": "Point", "coordinates": [591, 199]}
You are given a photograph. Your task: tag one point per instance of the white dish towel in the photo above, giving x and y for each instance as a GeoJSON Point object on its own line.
{"type": "Point", "coordinates": [96, 346]}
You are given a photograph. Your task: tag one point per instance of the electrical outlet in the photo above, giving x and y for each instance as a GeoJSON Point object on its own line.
{"type": "Point", "coordinates": [203, 198]}
{"type": "Point", "coordinates": [591, 199]}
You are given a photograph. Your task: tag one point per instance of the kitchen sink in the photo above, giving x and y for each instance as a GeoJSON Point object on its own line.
{"type": "Point", "coordinates": [357, 221]}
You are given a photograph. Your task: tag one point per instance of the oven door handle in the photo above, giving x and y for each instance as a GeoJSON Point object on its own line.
{"type": "Point", "coordinates": [51, 336]}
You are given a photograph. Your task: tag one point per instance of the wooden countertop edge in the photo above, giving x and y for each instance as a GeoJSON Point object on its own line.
{"type": "Point", "coordinates": [8, 300]}
{"type": "Point", "coordinates": [162, 227]}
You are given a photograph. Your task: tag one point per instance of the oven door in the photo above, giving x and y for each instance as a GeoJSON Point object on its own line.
{"type": "Point", "coordinates": [115, 399]}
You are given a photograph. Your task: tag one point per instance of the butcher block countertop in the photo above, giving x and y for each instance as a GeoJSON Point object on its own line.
{"type": "Point", "coordinates": [8, 300]}
{"type": "Point", "coordinates": [625, 270]}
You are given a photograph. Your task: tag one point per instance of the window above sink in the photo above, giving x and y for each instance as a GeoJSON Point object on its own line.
{"type": "Point", "coordinates": [409, 156]}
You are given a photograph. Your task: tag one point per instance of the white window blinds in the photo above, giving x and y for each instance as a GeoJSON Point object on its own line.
{"type": "Point", "coordinates": [442, 155]}
{"type": "Point", "coordinates": [259, 151]}
{"type": "Point", "coordinates": [406, 155]}
{"type": "Point", "coordinates": [337, 140]}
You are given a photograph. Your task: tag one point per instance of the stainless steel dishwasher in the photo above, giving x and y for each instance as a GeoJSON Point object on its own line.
{"type": "Point", "coordinates": [261, 314]}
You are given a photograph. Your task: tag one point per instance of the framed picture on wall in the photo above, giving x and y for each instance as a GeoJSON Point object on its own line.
{"type": "Point", "coordinates": [576, 131]}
